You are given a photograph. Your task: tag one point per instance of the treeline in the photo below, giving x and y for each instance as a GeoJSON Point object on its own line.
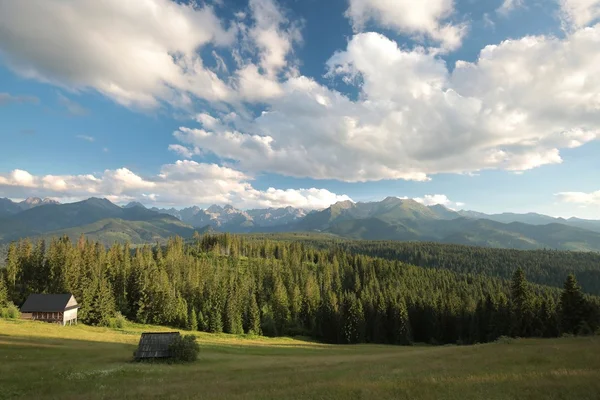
{"type": "Point", "coordinates": [231, 284]}
{"type": "Point", "coordinates": [545, 267]}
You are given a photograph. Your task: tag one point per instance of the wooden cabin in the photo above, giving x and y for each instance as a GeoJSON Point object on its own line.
{"type": "Point", "coordinates": [155, 345]}
{"type": "Point", "coordinates": [55, 308]}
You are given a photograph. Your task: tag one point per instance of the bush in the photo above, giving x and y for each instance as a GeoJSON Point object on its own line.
{"type": "Point", "coordinates": [10, 312]}
{"type": "Point", "coordinates": [117, 322]}
{"type": "Point", "coordinates": [505, 340]}
{"type": "Point", "coordinates": [185, 348]}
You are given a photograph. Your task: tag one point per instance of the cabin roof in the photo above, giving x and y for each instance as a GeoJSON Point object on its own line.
{"type": "Point", "coordinates": [155, 344]}
{"type": "Point", "coordinates": [48, 303]}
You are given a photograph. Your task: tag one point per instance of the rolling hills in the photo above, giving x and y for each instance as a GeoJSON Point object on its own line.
{"type": "Point", "coordinates": [98, 219]}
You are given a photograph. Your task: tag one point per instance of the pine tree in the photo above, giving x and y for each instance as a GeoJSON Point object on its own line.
{"type": "Point", "coordinates": [400, 324]}
{"type": "Point", "coordinates": [3, 291]}
{"type": "Point", "coordinates": [281, 310]}
{"type": "Point", "coordinates": [13, 271]}
{"type": "Point", "coordinates": [521, 304]}
{"type": "Point", "coordinates": [193, 320]}
{"type": "Point", "coordinates": [253, 317]}
{"type": "Point", "coordinates": [572, 306]}
{"type": "Point", "coordinates": [353, 319]}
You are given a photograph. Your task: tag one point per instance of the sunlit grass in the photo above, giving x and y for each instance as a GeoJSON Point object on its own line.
{"type": "Point", "coordinates": [44, 361]}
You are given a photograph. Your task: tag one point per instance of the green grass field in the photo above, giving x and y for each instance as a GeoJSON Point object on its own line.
{"type": "Point", "coordinates": [41, 361]}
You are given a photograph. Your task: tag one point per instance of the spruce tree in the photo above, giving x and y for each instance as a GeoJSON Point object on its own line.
{"type": "Point", "coordinates": [253, 317]}
{"type": "Point", "coordinates": [3, 291]}
{"type": "Point", "coordinates": [572, 306]}
{"type": "Point", "coordinates": [192, 320]}
{"type": "Point", "coordinates": [521, 304]}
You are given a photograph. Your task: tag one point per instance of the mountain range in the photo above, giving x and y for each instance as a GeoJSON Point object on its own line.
{"type": "Point", "coordinates": [390, 219]}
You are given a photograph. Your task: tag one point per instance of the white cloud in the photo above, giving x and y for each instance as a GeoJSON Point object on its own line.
{"type": "Point", "coordinates": [86, 138]}
{"type": "Point", "coordinates": [581, 198]}
{"type": "Point", "coordinates": [136, 52]}
{"type": "Point", "coordinates": [512, 109]}
{"type": "Point", "coordinates": [180, 184]}
{"type": "Point", "coordinates": [441, 199]}
{"type": "Point", "coordinates": [423, 17]}
{"type": "Point", "coordinates": [273, 35]}
{"type": "Point", "coordinates": [579, 13]}
{"type": "Point", "coordinates": [509, 6]}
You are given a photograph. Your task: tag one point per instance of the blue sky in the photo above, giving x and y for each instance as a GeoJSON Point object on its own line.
{"type": "Point", "coordinates": [484, 105]}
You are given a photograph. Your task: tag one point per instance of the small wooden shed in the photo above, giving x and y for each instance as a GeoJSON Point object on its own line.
{"type": "Point", "coordinates": [56, 308]}
{"type": "Point", "coordinates": [155, 345]}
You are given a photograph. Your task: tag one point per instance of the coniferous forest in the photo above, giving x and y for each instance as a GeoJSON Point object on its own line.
{"type": "Point", "coordinates": [239, 284]}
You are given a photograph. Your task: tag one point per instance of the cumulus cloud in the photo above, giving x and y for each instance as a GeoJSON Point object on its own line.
{"type": "Point", "coordinates": [513, 109]}
{"type": "Point", "coordinates": [424, 17]}
{"type": "Point", "coordinates": [180, 184]}
{"type": "Point", "coordinates": [579, 13]}
{"type": "Point", "coordinates": [441, 199]}
{"type": "Point", "coordinates": [137, 53]}
{"type": "Point", "coordinates": [581, 198]}
{"type": "Point", "coordinates": [509, 6]}
{"type": "Point", "coordinates": [273, 34]}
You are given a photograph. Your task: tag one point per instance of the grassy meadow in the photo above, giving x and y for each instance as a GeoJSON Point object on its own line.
{"type": "Point", "coordinates": [42, 361]}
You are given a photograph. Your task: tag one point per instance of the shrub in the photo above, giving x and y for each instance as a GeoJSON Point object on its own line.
{"type": "Point", "coordinates": [185, 348]}
{"type": "Point", "coordinates": [118, 321]}
{"type": "Point", "coordinates": [505, 340]}
{"type": "Point", "coordinates": [10, 312]}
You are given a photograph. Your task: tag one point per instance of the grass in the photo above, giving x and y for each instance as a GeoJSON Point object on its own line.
{"type": "Point", "coordinates": [44, 361]}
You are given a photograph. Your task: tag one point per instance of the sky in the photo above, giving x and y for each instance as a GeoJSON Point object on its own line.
{"type": "Point", "coordinates": [489, 105]}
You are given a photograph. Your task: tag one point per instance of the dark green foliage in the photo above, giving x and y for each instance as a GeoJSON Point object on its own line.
{"type": "Point", "coordinates": [572, 307]}
{"type": "Point", "coordinates": [242, 284]}
{"type": "Point", "coordinates": [184, 348]}
{"type": "Point", "coordinates": [521, 305]}
{"type": "Point", "coordinates": [545, 267]}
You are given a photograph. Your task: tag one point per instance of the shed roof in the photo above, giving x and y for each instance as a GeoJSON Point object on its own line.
{"type": "Point", "coordinates": [48, 303]}
{"type": "Point", "coordinates": [155, 344]}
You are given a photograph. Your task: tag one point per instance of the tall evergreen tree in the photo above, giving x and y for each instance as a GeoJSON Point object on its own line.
{"type": "Point", "coordinates": [193, 320]}
{"type": "Point", "coordinates": [253, 324]}
{"type": "Point", "coordinates": [572, 306]}
{"type": "Point", "coordinates": [521, 304]}
{"type": "Point", "coordinates": [3, 291]}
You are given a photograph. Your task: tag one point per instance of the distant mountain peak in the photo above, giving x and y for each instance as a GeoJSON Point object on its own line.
{"type": "Point", "coordinates": [32, 200]}
{"type": "Point", "coordinates": [344, 204]}
{"type": "Point", "coordinates": [134, 204]}
{"type": "Point", "coordinates": [214, 209]}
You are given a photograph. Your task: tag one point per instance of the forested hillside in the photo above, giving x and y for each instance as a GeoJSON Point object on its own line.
{"type": "Point", "coordinates": [236, 284]}
{"type": "Point", "coordinates": [546, 267]}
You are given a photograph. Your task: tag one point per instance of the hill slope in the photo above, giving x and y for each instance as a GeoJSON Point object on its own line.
{"type": "Point", "coordinates": [98, 218]}
{"type": "Point", "coordinates": [95, 363]}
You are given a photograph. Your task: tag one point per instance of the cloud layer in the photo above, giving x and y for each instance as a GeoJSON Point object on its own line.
{"type": "Point", "coordinates": [513, 109]}
{"type": "Point", "coordinates": [410, 116]}
{"type": "Point", "coordinates": [581, 198]}
{"type": "Point", "coordinates": [137, 53]}
{"type": "Point", "coordinates": [179, 184]}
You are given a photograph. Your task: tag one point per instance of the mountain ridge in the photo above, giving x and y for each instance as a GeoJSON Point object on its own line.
{"type": "Point", "coordinates": [392, 218]}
